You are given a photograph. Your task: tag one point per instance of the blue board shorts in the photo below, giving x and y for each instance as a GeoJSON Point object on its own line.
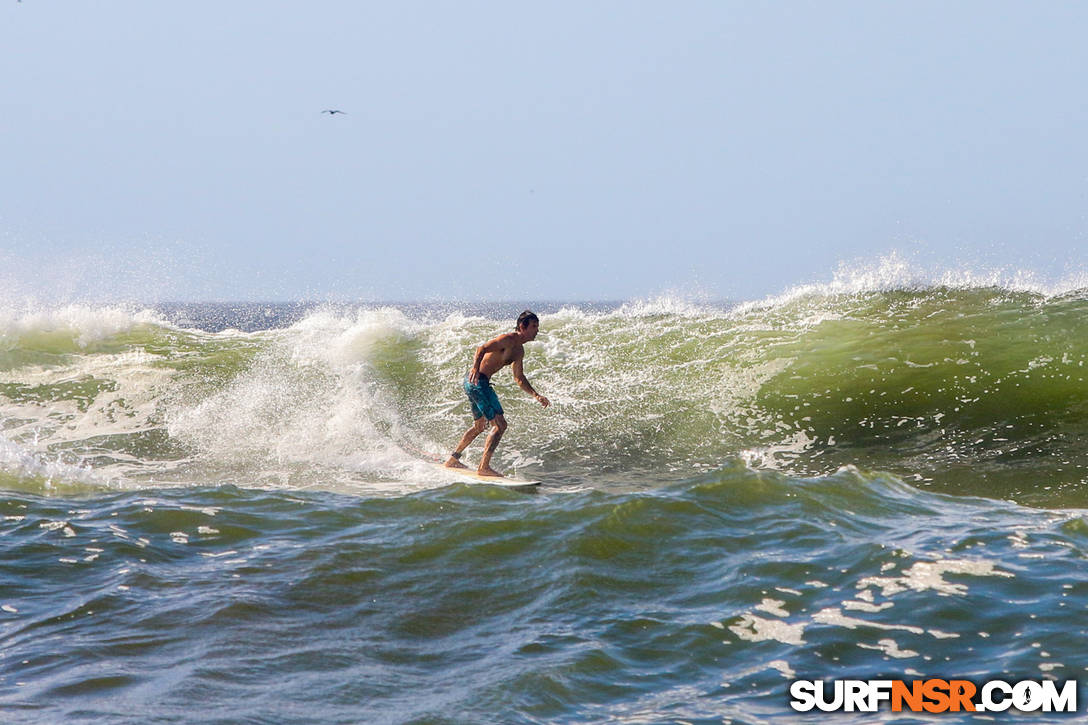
{"type": "Point", "coordinates": [482, 396]}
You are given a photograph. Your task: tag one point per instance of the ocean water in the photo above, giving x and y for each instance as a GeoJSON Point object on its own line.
{"type": "Point", "coordinates": [220, 513]}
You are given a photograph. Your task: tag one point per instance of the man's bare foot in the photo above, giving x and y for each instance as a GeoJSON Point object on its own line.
{"type": "Point", "coordinates": [489, 471]}
{"type": "Point", "coordinates": [452, 462]}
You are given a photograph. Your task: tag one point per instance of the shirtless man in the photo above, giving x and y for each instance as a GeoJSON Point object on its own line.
{"type": "Point", "coordinates": [490, 358]}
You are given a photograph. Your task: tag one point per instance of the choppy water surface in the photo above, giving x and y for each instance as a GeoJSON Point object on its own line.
{"type": "Point", "coordinates": [216, 513]}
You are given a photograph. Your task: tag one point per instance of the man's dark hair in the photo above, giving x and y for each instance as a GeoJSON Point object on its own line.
{"type": "Point", "coordinates": [525, 318]}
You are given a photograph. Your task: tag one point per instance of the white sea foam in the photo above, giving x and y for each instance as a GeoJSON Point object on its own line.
{"type": "Point", "coordinates": [759, 629]}
{"type": "Point", "coordinates": [17, 461]}
{"type": "Point", "coordinates": [896, 272]}
{"type": "Point", "coordinates": [890, 648]}
{"type": "Point", "coordinates": [673, 305]}
{"type": "Point", "coordinates": [775, 607]}
{"type": "Point", "coordinates": [929, 575]}
{"type": "Point", "coordinates": [311, 401]}
{"type": "Point", "coordinates": [86, 324]}
{"type": "Point", "coordinates": [309, 410]}
{"type": "Point", "coordinates": [353, 395]}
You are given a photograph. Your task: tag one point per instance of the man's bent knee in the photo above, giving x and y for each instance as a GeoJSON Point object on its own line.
{"type": "Point", "coordinates": [499, 422]}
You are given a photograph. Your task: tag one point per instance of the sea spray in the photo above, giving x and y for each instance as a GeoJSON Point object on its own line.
{"type": "Point", "coordinates": [923, 382]}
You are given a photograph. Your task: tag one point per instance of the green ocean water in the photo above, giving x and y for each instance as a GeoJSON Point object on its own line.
{"type": "Point", "coordinates": [219, 513]}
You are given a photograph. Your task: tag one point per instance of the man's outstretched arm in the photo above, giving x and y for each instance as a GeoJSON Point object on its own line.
{"type": "Point", "coordinates": [523, 383]}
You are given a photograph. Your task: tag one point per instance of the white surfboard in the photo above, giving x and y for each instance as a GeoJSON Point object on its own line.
{"type": "Point", "coordinates": [470, 476]}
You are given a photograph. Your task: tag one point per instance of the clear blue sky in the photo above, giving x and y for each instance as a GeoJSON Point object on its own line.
{"type": "Point", "coordinates": [506, 150]}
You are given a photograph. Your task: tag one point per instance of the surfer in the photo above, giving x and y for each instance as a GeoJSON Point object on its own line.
{"type": "Point", "coordinates": [491, 357]}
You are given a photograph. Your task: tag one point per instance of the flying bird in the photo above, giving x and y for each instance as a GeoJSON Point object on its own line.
{"type": "Point", "coordinates": [333, 111]}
